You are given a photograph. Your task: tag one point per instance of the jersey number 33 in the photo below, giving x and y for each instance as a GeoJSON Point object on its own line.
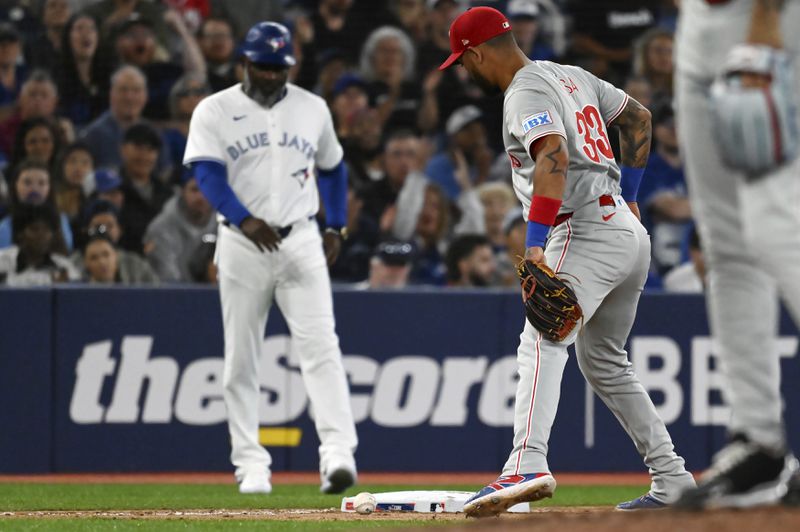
{"type": "Point", "coordinates": [595, 140]}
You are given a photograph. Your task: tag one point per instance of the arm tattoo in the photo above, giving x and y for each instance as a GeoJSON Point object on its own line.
{"type": "Point", "coordinates": [634, 134]}
{"type": "Point", "coordinates": [556, 168]}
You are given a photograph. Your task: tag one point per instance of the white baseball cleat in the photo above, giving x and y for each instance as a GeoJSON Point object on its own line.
{"type": "Point", "coordinates": [508, 491]}
{"type": "Point", "coordinates": [338, 478]}
{"type": "Point", "coordinates": [257, 481]}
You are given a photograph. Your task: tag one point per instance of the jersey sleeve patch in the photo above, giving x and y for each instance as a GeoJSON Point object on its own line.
{"type": "Point", "coordinates": [536, 120]}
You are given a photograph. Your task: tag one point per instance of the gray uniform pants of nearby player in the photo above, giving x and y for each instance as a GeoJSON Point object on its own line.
{"type": "Point", "coordinates": [296, 278]}
{"type": "Point", "coordinates": [750, 231]}
{"type": "Point", "coordinates": [609, 260]}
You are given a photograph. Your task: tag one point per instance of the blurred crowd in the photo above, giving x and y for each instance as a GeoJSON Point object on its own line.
{"type": "Point", "coordinates": [96, 98]}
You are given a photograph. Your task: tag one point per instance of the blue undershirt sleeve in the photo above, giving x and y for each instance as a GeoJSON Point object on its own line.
{"type": "Point", "coordinates": [333, 189]}
{"type": "Point", "coordinates": [212, 179]}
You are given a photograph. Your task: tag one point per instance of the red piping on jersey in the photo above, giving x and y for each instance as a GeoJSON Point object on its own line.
{"type": "Point", "coordinates": [533, 401]}
{"type": "Point", "coordinates": [776, 129]}
{"type": "Point", "coordinates": [618, 111]}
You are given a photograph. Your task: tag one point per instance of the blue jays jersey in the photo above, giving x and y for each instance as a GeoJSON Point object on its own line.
{"type": "Point", "coordinates": [270, 153]}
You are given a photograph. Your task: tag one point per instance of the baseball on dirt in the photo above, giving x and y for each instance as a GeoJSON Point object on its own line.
{"type": "Point", "coordinates": [364, 503]}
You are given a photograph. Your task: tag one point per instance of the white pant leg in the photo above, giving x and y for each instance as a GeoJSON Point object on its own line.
{"type": "Point", "coordinates": [303, 294]}
{"type": "Point", "coordinates": [245, 287]}
{"type": "Point", "coordinates": [742, 299]}
{"type": "Point", "coordinates": [604, 363]}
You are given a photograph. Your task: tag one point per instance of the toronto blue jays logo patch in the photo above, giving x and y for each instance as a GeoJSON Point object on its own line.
{"type": "Point", "coordinates": [533, 121]}
{"type": "Point", "coordinates": [302, 176]}
{"type": "Point", "coordinates": [276, 43]}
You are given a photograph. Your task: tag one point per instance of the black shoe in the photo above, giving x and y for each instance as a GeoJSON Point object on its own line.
{"type": "Point", "coordinates": [742, 475]}
{"type": "Point", "coordinates": [792, 497]}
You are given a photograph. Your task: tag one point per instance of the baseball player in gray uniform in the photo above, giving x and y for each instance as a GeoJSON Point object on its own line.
{"type": "Point", "coordinates": [256, 148]}
{"type": "Point", "coordinates": [748, 218]}
{"type": "Point", "coordinates": [583, 205]}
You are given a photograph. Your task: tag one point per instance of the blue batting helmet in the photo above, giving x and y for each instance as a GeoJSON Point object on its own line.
{"type": "Point", "coordinates": [270, 43]}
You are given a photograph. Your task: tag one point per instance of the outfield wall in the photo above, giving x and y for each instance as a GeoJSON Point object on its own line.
{"type": "Point", "coordinates": [121, 379]}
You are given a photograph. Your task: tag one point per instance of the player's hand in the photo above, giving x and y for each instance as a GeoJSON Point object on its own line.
{"type": "Point", "coordinates": [261, 234]}
{"type": "Point", "coordinates": [332, 244]}
{"type": "Point", "coordinates": [634, 207]}
{"type": "Point", "coordinates": [535, 254]}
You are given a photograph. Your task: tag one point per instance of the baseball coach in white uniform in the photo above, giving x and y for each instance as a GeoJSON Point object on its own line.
{"type": "Point", "coordinates": [255, 148]}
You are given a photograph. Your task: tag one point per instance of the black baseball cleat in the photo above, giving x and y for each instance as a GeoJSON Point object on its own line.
{"type": "Point", "coordinates": [792, 497]}
{"type": "Point", "coordinates": [743, 474]}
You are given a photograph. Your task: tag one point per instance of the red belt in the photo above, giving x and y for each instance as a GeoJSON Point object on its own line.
{"type": "Point", "coordinates": [605, 201]}
{"type": "Point", "coordinates": [712, 2]}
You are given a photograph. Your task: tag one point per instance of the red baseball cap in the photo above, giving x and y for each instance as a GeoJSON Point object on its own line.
{"type": "Point", "coordinates": [473, 27]}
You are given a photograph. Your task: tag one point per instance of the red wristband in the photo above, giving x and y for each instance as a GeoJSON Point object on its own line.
{"type": "Point", "coordinates": [544, 210]}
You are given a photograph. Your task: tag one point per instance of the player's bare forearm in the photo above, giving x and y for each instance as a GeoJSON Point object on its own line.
{"type": "Point", "coordinates": [550, 172]}
{"type": "Point", "coordinates": [765, 25]}
{"type": "Point", "coordinates": [635, 134]}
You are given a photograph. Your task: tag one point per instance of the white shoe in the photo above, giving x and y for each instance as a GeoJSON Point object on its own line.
{"type": "Point", "coordinates": [337, 478]}
{"type": "Point", "coordinates": [257, 481]}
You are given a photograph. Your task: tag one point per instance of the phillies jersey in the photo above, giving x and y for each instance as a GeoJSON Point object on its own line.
{"type": "Point", "coordinates": [270, 153]}
{"type": "Point", "coordinates": [546, 98]}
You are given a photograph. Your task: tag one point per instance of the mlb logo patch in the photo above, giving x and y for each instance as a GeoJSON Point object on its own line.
{"type": "Point", "coordinates": [533, 121]}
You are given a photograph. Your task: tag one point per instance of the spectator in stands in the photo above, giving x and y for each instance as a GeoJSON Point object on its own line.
{"type": "Point", "coordinates": [349, 99]}
{"type": "Point", "coordinates": [524, 18]}
{"type": "Point", "coordinates": [336, 25]}
{"type": "Point", "coordinates": [653, 61]}
{"type": "Point", "coordinates": [102, 217]}
{"type": "Point", "coordinates": [390, 266]}
{"type": "Point", "coordinates": [515, 230]}
{"type": "Point", "coordinates": [201, 264]}
{"type": "Point", "coordinates": [216, 39]}
{"type": "Point", "coordinates": [109, 14]}
{"type": "Point", "coordinates": [108, 187]}
{"type": "Point", "coordinates": [74, 181]}
{"type": "Point", "coordinates": [362, 147]}
{"type": "Point", "coordinates": [12, 71]}
{"type": "Point", "coordinates": [387, 63]}
{"type": "Point", "coordinates": [102, 262]}
{"type": "Point", "coordinates": [184, 96]}
{"type": "Point", "coordinates": [640, 90]}
{"type": "Point", "coordinates": [128, 98]}
{"type": "Point", "coordinates": [31, 185]}
{"type": "Point", "coordinates": [32, 261]}
{"type": "Point", "coordinates": [173, 235]}
{"type": "Point", "coordinates": [145, 195]}
{"type": "Point", "coordinates": [332, 66]}
{"type": "Point", "coordinates": [38, 98]}
{"type": "Point", "coordinates": [498, 200]}
{"type": "Point", "coordinates": [603, 35]}
{"type": "Point", "coordinates": [44, 51]}
{"type": "Point", "coordinates": [663, 198]}
{"type": "Point", "coordinates": [362, 237]}
{"type": "Point", "coordinates": [467, 152]}
{"type": "Point", "coordinates": [83, 75]}
{"type": "Point", "coordinates": [135, 44]}
{"type": "Point", "coordinates": [411, 16]}
{"type": "Point", "coordinates": [441, 13]}
{"type": "Point", "coordinates": [470, 262]}
{"type": "Point", "coordinates": [423, 217]}
{"type": "Point", "coordinates": [244, 13]}
{"type": "Point", "coordinates": [402, 155]}
{"type": "Point", "coordinates": [689, 277]}
{"type": "Point", "coordinates": [38, 139]}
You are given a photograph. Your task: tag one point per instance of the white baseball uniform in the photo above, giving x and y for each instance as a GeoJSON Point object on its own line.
{"type": "Point", "coordinates": [749, 231]}
{"type": "Point", "coordinates": [270, 155]}
{"type": "Point", "coordinates": [604, 248]}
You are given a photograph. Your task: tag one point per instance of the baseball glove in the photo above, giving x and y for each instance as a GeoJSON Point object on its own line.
{"type": "Point", "coordinates": [550, 303]}
{"type": "Point", "coordinates": [756, 128]}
